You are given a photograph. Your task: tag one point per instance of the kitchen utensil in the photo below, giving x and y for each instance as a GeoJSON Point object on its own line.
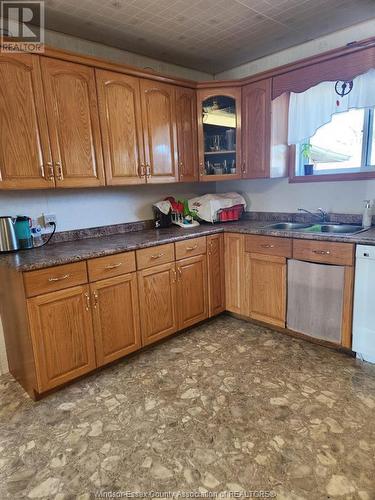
{"type": "Point", "coordinates": [8, 238]}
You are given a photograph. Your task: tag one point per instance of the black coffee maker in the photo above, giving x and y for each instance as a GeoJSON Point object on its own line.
{"type": "Point", "coordinates": [162, 220]}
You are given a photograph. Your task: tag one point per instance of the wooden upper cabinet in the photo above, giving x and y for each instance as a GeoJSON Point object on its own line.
{"type": "Point", "coordinates": [219, 133]}
{"type": "Point", "coordinates": [121, 126]}
{"type": "Point", "coordinates": [73, 121]}
{"type": "Point", "coordinates": [159, 131]}
{"type": "Point", "coordinates": [116, 317]}
{"type": "Point", "coordinates": [256, 129]}
{"type": "Point", "coordinates": [216, 275]}
{"type": "Point", "coordinates": [186, 110]}
{"type": "Point", "coordinates": [62, 336]}
{"type": "Point", "coordinates": [25, 159]}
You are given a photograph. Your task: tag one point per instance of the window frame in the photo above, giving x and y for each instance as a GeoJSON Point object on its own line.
{"type": "Point", "coordinates": [364, 171]}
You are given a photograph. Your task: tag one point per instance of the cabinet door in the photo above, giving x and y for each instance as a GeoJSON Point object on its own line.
{"type": "Point", "coordinates": [62, 336]}
{"type": "Point", "coordinates": [267, 288]}
{"type": "Point", "coordinates": [116, 317]}
{"type": "Point", "coordinates": [186, 108]}
{"type": "Point", "coordinates": [216, 285]}
{"type": "Point", "coordinates": [73, 122]}
{"type": "Point", "coordinates": [219, 133]}
{"type": "Point", "coordinates": [157, 299]}
{"type": "Point", "coordinates": [235, 277]}
{"type": "Point", "coordinates": [160, 131]}
{"type": "Point", "coordinates": [192, 290]}
{"type": "Point", "coordinates": [25, 159]}
{"type": "Point", "coordinates": [121, 126]}
{"type": "Point", "coordinates": [256, 126]}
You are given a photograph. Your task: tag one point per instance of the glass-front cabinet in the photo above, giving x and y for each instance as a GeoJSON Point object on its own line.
{"type": "Point", "coordinates": [219, 128]}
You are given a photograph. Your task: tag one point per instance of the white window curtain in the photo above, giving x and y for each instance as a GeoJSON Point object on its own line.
{"type": "Point", "coordinates": [313, 108]}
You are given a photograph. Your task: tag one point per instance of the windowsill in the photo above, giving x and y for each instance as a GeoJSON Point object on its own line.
{"type": "Point", "coordinates": [353, 175]}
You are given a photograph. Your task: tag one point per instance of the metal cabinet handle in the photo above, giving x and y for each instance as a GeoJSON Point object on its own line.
{"type": "Point", "coordinates": [321, 252]}
{"type": "Point", "coordinates": [59, 278]}
{"type": "Point", "coordinates": [189, 249]}
{"type": "Point", "coordinates": [157, 256]}
{"type": "Point", "coordinates": [113, 266]}
{"type": "Point", "coordinates": [179, 273]}
{"type": "Point", "coordinates": [51, 173]}
{"type": "Point", "coordinates": [244, 167]}
{"type": "Point", "coordinates": [148, 171]}
{"type": "Point", "coordinates": [142, 171]}
{"type": "Point", "coordinates": [59, 171]}
{"type": "Point", "coordinates": [88, 305]}
{"type": "Point", "coordinates": [96, 298]}
{"type": "Point", "coordinates": [174, 275]}
{"type": "Point", "coordinates": [267, 246]}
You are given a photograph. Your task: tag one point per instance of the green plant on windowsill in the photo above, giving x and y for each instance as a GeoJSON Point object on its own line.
{"type": "Point", "coordinates": [306, 151]}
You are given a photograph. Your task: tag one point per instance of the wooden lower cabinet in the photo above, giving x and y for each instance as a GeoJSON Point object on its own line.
{"type": "Point", "coordinates": [215, 271]}
{"type": "Point", "coordinates": [235, 279]}
{"type": "Point", "coordinates": [62, 336]}
{"type": "Point", "coordinates": [266, 288]}
{"type": "Point", "coordinates": [116, 317]}
{"type": "Point", "coordinates": [192, 296]}
{"type": "Point", "coordinates": [158, 302]}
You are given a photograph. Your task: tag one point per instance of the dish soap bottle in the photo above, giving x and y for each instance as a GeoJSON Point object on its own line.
{"type": "Point", "coordinates": [367, 214]}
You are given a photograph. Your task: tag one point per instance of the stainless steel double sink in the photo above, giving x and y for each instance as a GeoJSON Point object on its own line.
{"type": "Point", "coordinates": [322, 227]}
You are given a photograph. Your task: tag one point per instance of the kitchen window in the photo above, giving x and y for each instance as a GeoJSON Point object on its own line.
{"type": "Point", "coordinates": [344, 145]}
{"type": "Point", "coordinates": [331, 130]}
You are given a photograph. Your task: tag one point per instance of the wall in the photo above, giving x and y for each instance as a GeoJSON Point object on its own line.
{"type": "Point", "coordinates": [86, 47]}
{"type": "Point", "coordinates": [277, 195]}
{"type": "Point", "coordinates": [77, 209]}
{"type": "Point", "coordinates": [335, 40]}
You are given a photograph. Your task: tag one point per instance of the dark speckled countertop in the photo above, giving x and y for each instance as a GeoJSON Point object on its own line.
{"type": "Point", "coordinates": [73, 251]}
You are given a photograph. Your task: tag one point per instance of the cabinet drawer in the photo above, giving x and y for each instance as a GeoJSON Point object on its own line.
{"type": "Point", "coordinates": [189, 248]}
{"type": "Point", "coordinates": [54, 278]}
{"type": "Point", "coordinates": [111, 265]}
{"type": "Point", "coordinates": [153, 256]}
{"type": "Point", "coordinates": [269, 245]}
{"type": "Point", "coordinates": [328, 252]}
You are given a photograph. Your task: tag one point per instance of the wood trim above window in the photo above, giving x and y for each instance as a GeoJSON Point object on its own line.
{"type": "Point", "coordinates": [342, 67]}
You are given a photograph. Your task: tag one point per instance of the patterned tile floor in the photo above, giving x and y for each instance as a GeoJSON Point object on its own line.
{"type": "Point", "coordinates": [227, 406]}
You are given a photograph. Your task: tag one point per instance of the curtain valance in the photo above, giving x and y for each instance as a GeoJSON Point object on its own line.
{"type": "Point", "coordinates": [313, 108]}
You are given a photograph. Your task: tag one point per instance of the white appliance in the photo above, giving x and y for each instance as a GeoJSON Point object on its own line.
{"type": "Point", "coordinates": [364, 304]}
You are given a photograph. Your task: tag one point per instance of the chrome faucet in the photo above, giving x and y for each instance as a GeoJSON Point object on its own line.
{"type": "Point", "coordinates": [322, 215]}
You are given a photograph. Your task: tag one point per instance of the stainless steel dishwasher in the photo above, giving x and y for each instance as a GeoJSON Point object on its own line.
{"type": "Point", "coordinates": [315, 299]}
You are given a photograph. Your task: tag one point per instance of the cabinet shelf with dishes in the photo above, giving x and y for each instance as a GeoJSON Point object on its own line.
{"type": "Point", "coordinates": [219, 133]}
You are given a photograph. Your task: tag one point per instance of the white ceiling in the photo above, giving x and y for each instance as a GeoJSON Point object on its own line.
{"type": "Point", "coordinates": [209, 35]}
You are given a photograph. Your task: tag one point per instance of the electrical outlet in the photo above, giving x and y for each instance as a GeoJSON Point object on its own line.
{"type": "Point", "coordinates": [48, 218]}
